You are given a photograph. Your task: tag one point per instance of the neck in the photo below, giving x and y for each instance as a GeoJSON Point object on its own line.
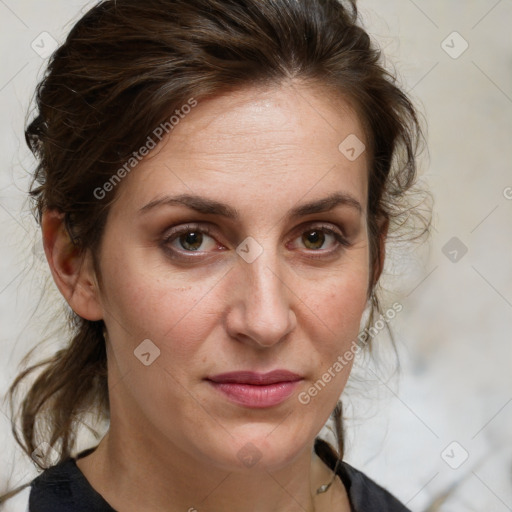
{"type": "Point", "coordinates": [163, 475]}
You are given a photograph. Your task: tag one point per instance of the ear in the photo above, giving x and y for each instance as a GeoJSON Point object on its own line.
{"type": "Point", "coordinates": [383, 226]}
{"type": "Point", "coordinates": [72, 270]}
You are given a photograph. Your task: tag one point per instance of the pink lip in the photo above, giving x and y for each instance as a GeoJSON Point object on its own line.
{"type": "Point", "coordinates": [256, 390]}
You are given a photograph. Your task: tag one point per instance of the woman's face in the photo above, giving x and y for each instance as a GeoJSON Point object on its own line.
{"type": "Point", "coordinates": [239, 245]}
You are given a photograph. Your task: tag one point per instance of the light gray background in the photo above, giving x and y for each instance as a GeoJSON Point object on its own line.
{"type": "Point", "coordinates": [454, 331]}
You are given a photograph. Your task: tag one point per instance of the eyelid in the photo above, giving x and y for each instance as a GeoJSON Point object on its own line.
{"type": "Point", "coordinates": [185, 228]}
{"type": "Point", "coordinates": [330, 229]}
{"type": "Point", "coordinates": [205, 229]}
{"type": "Point", "coordinates": [325, 226]}
{"type": "Point", "coordinates": [177, 231]}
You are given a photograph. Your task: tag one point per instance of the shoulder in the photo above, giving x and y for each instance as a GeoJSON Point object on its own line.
{"type": "Point", "coordinates": [365, 494]}
{"type": "Point", "coordinates": [63, 488]}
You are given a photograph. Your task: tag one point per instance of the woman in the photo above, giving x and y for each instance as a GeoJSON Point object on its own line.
{"type": "Point", "coordinates": [216, 183]}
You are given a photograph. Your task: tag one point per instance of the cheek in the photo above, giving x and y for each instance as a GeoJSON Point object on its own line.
{"type": "Point", "coordinates": [338, 301]}
{"type": "Point", "coordinates": [172, 309]}
{"type": "Point", "coordinates": [144, 289]}
{"type": "Point", "coordinates": [338, 305]}
{"type": "Point", "coordinates": [342, 316]}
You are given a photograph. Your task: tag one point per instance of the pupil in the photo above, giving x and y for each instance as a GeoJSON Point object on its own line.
{"type": "Point", "coordinates": [192, 241]}
{"type": "Point", "coordinates": [315, 238]}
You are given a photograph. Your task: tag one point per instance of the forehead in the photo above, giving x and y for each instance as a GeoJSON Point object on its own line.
{"type": "Point", "coordinates": [254, 145]}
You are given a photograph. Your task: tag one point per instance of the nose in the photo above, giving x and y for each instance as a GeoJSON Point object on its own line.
{"type": "Point", "coordinates": [260, 312]}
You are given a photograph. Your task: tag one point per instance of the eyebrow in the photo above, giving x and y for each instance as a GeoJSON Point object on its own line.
{"type": "Point", "coordinates": [212, 207]}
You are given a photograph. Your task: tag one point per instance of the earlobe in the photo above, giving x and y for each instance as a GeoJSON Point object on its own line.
{"type": "Point", "coordinates": [72, 270]}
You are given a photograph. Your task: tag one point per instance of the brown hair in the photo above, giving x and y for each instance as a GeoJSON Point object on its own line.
{"type": "Point", "coordinates": [123, 68]}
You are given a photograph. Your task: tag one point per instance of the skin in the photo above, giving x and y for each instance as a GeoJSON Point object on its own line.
{"type": "Point", "coordinates": [263, 152]}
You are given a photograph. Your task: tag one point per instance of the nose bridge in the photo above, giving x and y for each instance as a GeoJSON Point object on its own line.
{"type": "Point", "coordinates": [266, 287]}
{"type": "Point", "coordinates": [266, 316]}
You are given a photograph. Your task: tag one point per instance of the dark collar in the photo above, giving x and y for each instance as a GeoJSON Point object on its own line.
{"type": "Point", "coordinates": [64, 488]}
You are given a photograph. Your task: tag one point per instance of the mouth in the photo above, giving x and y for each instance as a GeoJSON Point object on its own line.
{"type": "Point", "coordinates": [256, 390]}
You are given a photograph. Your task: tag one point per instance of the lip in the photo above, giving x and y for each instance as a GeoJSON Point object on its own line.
{"type": "Point", "coordinates": [255, 378]}
{"type": "Point", "coordinates": [256, 390]}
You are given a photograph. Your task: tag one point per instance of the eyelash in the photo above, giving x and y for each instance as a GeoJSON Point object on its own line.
{"type": "Point", "coordinates": [206, 230]}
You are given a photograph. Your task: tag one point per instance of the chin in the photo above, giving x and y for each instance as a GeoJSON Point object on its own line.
{"type": "Point", "coordinates": [258, 447]}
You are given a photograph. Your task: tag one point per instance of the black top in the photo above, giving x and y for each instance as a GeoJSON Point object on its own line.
{"type": "Point", "coordinates": [64, 488]}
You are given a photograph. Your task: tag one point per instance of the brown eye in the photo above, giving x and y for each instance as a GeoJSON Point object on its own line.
{"type": "Point", "coordinates": [190, 238]}
{"type": "Point", "coordinates": [191, 241]}
{"type": "Point", "coordinates": [313, 239]}
{"type": "Point", "coordinates": [321, 241]}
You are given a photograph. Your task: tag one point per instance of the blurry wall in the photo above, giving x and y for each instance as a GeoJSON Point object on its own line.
{"type": "Point", "coordinates": [439, 434]}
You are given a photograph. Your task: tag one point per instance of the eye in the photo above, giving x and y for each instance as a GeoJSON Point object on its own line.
{"type": "Point", "coordinates": [190, 238]}
{"type": "Point", "coordinates": [185, 240]}
{"type": "Point", "coordinates": [317, 238]}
